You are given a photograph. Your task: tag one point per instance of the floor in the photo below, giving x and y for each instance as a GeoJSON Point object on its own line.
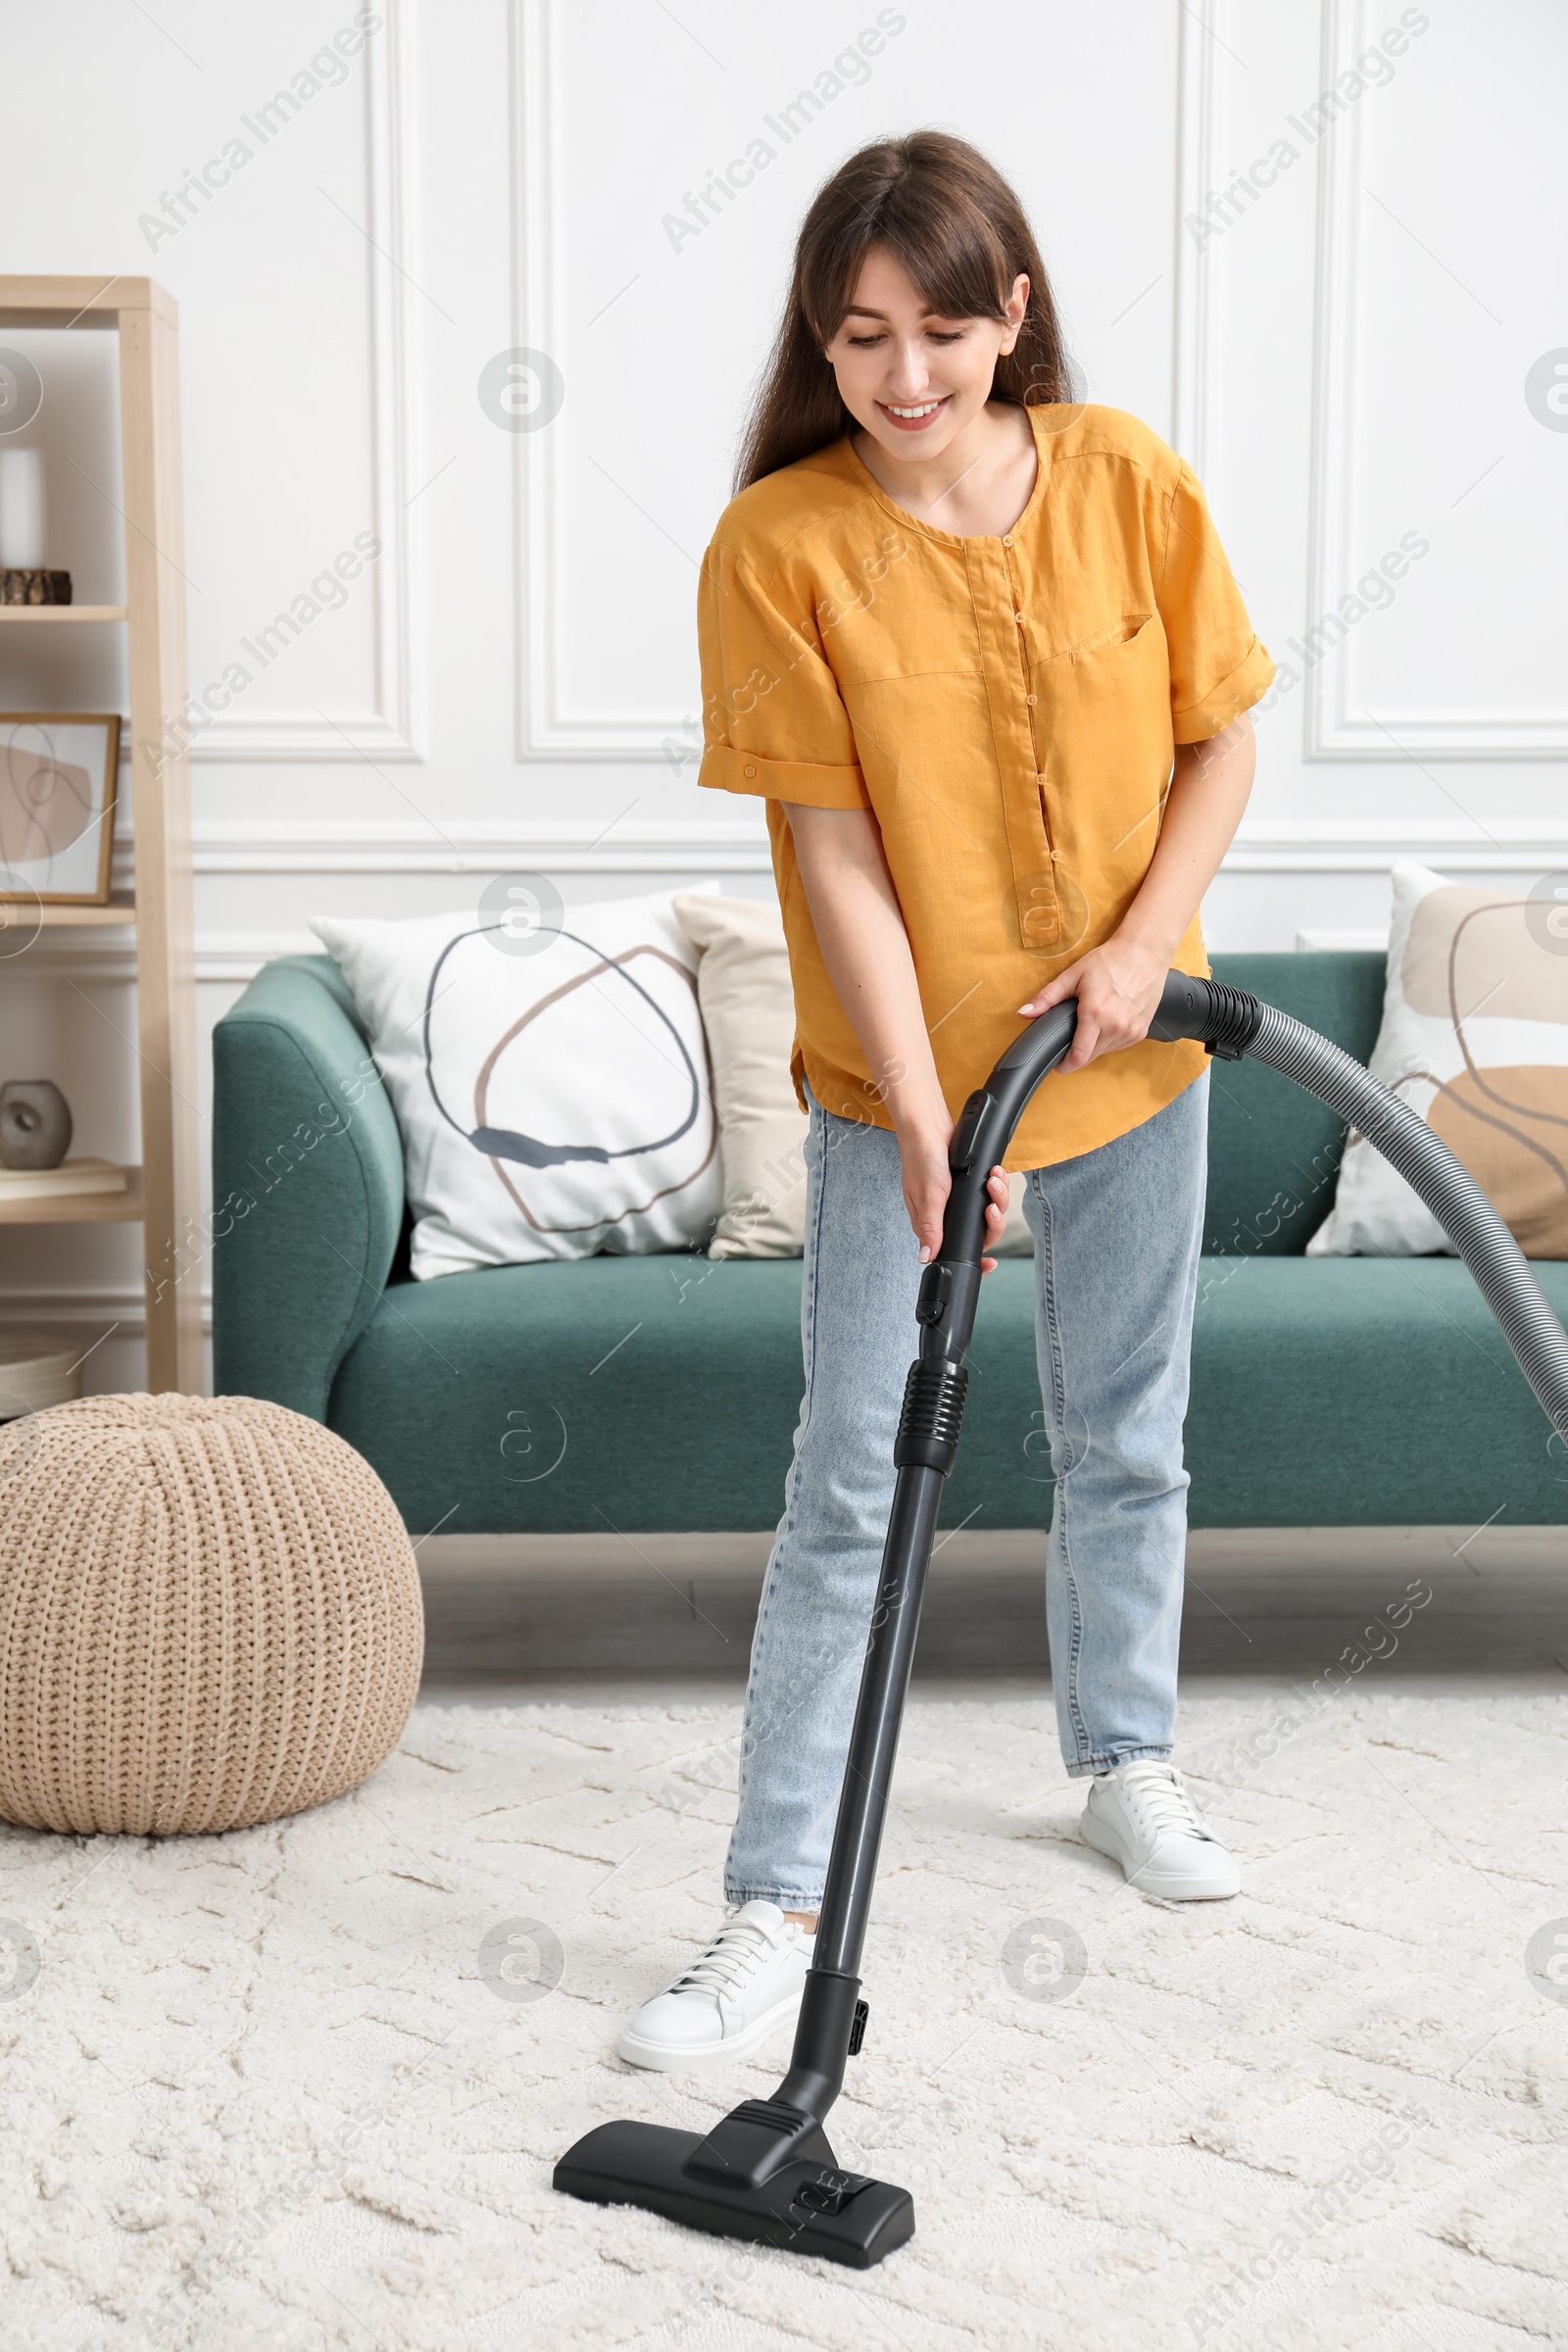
{"type": "Point", "coordinates": [301, 2087]}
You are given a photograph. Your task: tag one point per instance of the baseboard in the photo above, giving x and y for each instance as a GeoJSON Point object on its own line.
{"type": "Point", "coordinates": [126, 1309]}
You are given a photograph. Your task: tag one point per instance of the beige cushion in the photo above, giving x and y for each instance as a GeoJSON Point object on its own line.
{"type": "Point", "coordinates": [1475, 1039]}
{"type": "Point", "coordinates": [209, 1615]}
{"type": "Point", "coordinates": [748, 1008]}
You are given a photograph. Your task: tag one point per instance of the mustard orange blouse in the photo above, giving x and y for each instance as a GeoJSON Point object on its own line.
{"type": "Point", "coordinates": [1007, 707]}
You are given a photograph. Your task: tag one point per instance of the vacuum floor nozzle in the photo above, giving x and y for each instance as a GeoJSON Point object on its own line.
{"type": "Point", "coordinates": [808, 2205]}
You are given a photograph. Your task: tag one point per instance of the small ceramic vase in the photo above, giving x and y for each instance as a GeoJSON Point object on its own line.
{"type": "Point", "coordinates": [35, 1123]}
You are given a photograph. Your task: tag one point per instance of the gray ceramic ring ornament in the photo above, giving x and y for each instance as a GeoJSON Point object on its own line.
{"type": "Point", "coordinates": [35, 1123]}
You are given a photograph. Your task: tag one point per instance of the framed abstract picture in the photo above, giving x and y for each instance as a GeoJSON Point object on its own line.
{"type": "Point", "coordinates": [58, 772]}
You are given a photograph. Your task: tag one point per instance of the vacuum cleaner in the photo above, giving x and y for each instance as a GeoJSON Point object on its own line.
{"type": "Point", "coordinates": [767, 2171]}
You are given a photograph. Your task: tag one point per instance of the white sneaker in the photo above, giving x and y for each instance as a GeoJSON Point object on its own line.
{"type": "Point", "coordinates": [1141, 1815]}
{"type": "Point", "coordinates": [745, 1986]}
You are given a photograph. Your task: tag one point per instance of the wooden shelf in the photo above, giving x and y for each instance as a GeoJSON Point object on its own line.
{"type": "Point", "coordinates": [81, 301]}
{"type": "Point", "coordinates": [121, 908]}
{"type": "Point", "coordinates": [167, 1191]}
{"type": "Point", "coordinates": [78, 1208]}
{"type": "Point", "coordinates": [64, 612]}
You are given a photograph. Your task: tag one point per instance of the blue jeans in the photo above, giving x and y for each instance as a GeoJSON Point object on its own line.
{"type": "Point", "coordinates": [1118, 1234]}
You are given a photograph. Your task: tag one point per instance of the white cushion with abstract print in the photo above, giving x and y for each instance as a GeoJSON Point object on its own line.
{"type": "Point", "coordinates": [549, 1075]}
{"type": "Point", "coordinates": [1475, 1040]}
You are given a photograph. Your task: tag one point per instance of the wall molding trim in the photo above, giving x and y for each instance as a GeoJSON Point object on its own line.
{"type": "Point", "coordinates": [1195, 294]}
{"type": "Point", "coordinates": [542, 731]}
{"type": "Point", "coordinates": [672, 845]}
{"type": "Point", "coordinates": [688, 845]}
{"type": "Point", "coordinates": [1332, 732]}
{"type": "Point", "coordinates": [392, 729]}
{"type": "Point", "coordinates": [232, 957]}
{"type": "Point", "coordinates": [1344, 847]}
{"type": "Point", "coordinates": [224, 958]}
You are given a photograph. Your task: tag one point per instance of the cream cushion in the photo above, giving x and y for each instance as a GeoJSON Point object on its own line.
{"type": "Point", "coordinates": [209, 1615]}
{"type": "Point", "coordinates": [1475, 1038]}
{"type": "Point", "coordinates": [748, 1008]}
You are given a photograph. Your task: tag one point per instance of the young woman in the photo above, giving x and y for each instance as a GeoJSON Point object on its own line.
{"type": "Point", "coordinates": [978, 648]}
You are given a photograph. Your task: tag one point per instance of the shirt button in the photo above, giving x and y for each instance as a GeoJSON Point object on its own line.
{"type": "Point", "coordinates": [1007, 540]}
{"type": "Point", "coordinates": [1018, 617]}
{"type": "Point", "coordinates": [751, 771]}
{"type": "Point", "coordinates": [1030, 699]}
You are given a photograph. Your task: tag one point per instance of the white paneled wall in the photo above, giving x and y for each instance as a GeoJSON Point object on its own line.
{"type": "Point", "coordinates": [1320, 247]}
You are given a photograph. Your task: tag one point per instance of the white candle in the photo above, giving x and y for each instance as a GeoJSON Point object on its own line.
{"type": "Point", "coordinates": [21, 510]}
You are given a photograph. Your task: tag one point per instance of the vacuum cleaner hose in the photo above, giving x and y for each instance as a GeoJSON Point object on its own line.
{"type": "Point", "coordinates": [767, 2170]}
{"type": "Point", "coordinates": [1233, 1023]}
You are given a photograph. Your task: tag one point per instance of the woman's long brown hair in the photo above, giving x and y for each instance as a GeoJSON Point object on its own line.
{"type": "Point", "coordinates": [956, 225]}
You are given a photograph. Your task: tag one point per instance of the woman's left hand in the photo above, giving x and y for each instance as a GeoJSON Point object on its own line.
{"type": "Point", "coordinates": [1118, 987]}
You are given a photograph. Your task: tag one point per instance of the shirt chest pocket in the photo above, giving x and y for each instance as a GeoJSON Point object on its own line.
{"type": "Point", "coordinates": [1103, 731]}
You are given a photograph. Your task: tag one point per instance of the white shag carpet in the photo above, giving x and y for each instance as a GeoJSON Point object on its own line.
{"type": "Point", "coordinates": [272, 2089]}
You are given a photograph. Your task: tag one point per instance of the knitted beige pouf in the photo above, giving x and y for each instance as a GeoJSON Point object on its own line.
{"type": "Point", "coordinates": [209, 1615]}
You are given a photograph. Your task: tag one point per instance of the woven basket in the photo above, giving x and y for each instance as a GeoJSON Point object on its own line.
{"type": "Point", "coordinates": [209, 1615]}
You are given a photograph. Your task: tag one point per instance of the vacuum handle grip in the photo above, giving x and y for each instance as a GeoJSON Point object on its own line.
{"type": "Point", "coordinates": [1190, 1007]}
{"type": "Point", "coordinates": [985, 1128]}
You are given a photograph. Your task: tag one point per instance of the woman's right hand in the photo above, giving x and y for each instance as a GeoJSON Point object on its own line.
{"type": "Point", "coordinates": [927, 1182]}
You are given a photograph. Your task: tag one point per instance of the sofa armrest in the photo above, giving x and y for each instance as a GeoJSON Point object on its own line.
{"type": "Point", "coordinates": [307, 1185]}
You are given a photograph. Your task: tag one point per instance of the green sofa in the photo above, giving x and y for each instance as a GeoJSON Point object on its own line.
{"type": "Point", "coordinates": [661, 1392]}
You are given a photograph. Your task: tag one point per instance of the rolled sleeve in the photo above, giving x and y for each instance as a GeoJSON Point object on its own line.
{"type": "Point", "coordinates": [1247, 684]}
{"type": "Point", "coordinates": [803, 780]}
{"type": "Point", "coordinates": [773, 719]}
{"type": "Point", "coordinates": [1218, 666]}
